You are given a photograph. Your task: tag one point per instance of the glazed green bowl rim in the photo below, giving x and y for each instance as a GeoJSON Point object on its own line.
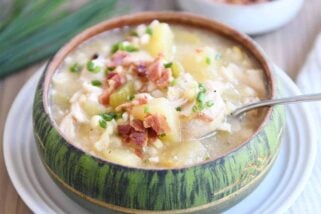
{"type": "Point", "coordinates": [180, 18]}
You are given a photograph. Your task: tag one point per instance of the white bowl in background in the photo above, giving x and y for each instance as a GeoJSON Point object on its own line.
{"type": "Point", "coordinates": [251, 19]}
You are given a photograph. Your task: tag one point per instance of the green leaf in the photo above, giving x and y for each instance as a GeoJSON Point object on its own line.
{"type": "Point", "coordinates": [38, 28]}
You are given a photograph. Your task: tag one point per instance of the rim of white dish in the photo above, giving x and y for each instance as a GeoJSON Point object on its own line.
{"type": "Point", "coordinates": [242, 6]}
{"type": "Point", "coordinates": [281, 207]}
{"type": "Point", "coordinates": [312, 152]}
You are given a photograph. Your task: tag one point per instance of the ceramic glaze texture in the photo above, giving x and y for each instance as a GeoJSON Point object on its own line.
{"type": "Point", "coordinates": [214, 185]}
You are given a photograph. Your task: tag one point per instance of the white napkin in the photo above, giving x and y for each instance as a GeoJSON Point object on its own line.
{"type": "Point", "coordinates": [309, 81]}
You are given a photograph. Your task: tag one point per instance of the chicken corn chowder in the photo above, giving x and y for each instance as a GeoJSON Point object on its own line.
{"type": "Point", "coordinates": [139, 96]}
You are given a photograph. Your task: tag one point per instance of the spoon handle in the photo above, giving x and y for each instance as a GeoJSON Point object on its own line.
{"type": "Point", "coordinates": [263, 103]}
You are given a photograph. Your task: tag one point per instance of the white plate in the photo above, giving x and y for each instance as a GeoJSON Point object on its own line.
{"type": "Point", "coordinates": [275, 194]}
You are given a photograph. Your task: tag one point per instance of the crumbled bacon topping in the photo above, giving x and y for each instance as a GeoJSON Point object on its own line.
{"type": "Point", "coordinates": [112, 83]}
{"type": "Point", "coordinates": [138, 133]}
{"type": "Point", "coordinates": [163, 81]}
{"type": "Point", "coordinates": [158, 74]}
{"type": "Point", "coordinates": [157, 122]}
{"type": "Point", "coordinates": [118, 58]}
{"type": "Point", "coordinates": [153, 71]}
{"type": "Point", "coordinates": [138, 125]}
{"type": "Point", "coordinates": [133, 136]}
{"type": "Point", "coordinates": [140, 69]}
{"type": "Point", "coordinates": [138, 138]}
{"type": "Point", "coordinates": [139, 100]}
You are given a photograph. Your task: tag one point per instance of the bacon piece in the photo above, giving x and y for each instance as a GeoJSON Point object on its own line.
{"type": "Point", "coordinates": [152, 135]}
{"type": "Point", "coordinates": [104, 97]}
{"type": "Point", "coordinates": [140, 69]}
{"type": "Point", "coordinates": [138, 138]}
{"type": "Point", "coordinates": [157, 122]}
{"type": "Point", "coordinates": [137, 125]}
{"type": "Point", "coordinates": [124, 130]}
{"type": "Point", "coordinates": [141, 101]}
{"type": "Point", "coordinates": [134, 135]}
{"type": "Point", "coordinates": [154, 70]}
{"type": "Point", "coordinates": [118, 58]}
{"type": "Point", "coordinates": [113, 82]}
{"type": "Point", "coordinates": [158, 74]}
{"type": "Point", "coordinates": [115, 79]}
{"type": "Point", "coordinates": [128, 105]}
{"type": "Point", "coordinates": [163, 81]}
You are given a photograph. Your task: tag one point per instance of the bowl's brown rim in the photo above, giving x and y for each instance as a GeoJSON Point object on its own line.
{"type": "Point", "coordinates": [180, 18]}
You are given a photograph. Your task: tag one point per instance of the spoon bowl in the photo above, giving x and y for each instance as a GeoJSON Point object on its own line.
{"type": "Point", "coordinates": [264, 103]}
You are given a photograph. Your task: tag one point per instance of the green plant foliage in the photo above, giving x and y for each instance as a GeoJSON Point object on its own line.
{"type": "Point", "coordinates": [36, 29]}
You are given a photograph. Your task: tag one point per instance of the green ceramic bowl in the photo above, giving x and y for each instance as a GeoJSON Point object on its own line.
{"type": "Point", "coordinates": [211, 186]}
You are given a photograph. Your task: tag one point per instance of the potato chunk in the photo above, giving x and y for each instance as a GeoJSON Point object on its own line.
{"type": "Point", "coordinates": [122, 95]}
{"type": "Point", "coordinates": [161, 40]}
{"type": "Point", "coordinates": [163, 107]}
{"type": "Point", "coordinates": [200, 63]}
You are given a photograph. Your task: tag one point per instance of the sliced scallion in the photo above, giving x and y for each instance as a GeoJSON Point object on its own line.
{"type": "Point", "coordinates": [96, 83]}
{"type": "Point", "coordinates": [75, 68]}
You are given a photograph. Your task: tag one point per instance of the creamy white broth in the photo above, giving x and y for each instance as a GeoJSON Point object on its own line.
{"type": "Point", "coordinates": [215, 77]}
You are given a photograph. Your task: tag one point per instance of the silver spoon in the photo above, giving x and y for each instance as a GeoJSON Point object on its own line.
{"type": "Point", "coordinates": [239, 111]}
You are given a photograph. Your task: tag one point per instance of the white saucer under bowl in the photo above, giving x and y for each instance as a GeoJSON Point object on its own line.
{"type": "Point", "coordinates": [275, 194]}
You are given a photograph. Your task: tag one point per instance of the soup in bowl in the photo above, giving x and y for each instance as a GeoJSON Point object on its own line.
{"type": "Point", "coordinates": [119, 110]}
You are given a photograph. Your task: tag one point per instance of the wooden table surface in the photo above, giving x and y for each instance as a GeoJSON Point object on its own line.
{"type": "Point", "coordinates": [288, 47]}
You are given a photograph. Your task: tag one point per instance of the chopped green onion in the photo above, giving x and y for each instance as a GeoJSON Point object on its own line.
{"type": "Point", "coordinates": [146, 109]}
{"type": "Point", "coordinates": [208, 60]}
{"type": "Point", "coordinates": [174, 82]}
{"type": "Point", "coordinates": [102, 123]}
{"type": "Point", "coordinates": [133, 33]}
{"type": "Point", "coordinates": [149, 30]}
{"type": "Point", "coordinates": [131, 97]}
{"type": "Point", "coordinates": [75, 68]}
{"type": "Point", "coordinates": [209, 104]}
{"type": "Point", "coordinates": [200, 97]}
{"type": "Point", "coordinates": [195, 109]}
{"type": "Point", "coordinates": [115, 47]}
{"type": "Point", "coordinates": [120, 46]}
{"type": "Point", "coordinates": [202, 88]}
{"type": "Point", "coordinates": [96, 83]}
{"type": "Point", "coordinates": [92, 68]}
{"type": "Point", "coordinates": [119, 115]}
{"type": "Point", "coordinates": [162, 135]}
{"type": "Point", "coordinates": [168, 65]}
{"type": "Point", "coordinates": [178, 108]}
{"type": "Point", "coordinates": [111, 68]}
{"type": "Point", "coordinates": [108, 116]}
{"type": "Point", "coordinates": [130, 48]}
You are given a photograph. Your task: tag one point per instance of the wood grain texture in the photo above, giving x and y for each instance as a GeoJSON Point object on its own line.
{"type": "Point", "coordinates": [287, 47]}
